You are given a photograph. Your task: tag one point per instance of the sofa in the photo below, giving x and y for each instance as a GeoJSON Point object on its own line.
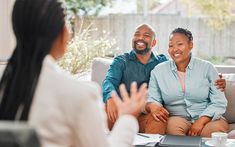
{"type": "Point", "coordinates": [101, 65]}
{"type": "Point", "coordinates": [18, 134]}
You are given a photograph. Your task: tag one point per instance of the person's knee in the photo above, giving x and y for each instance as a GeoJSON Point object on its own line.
{"type": "Point", "coordinates": [151, 126]}
{"type": "Point", "coordinates": [156, 127]}
{"type": "Point", "coordinates": [220, 126]}
{"type": "Point", "coordinates": [177, 126]}
{"type": "Point", "coordinates": [175, 130]}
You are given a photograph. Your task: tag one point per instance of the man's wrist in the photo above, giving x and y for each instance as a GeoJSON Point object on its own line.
{"type": "Point", "coordinates": [109, 100]}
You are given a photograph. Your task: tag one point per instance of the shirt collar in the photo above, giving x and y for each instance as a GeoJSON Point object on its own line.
{"type": "Point", "coordinates": [190, 65]}
{"type": "Point", "coordinates": [132, 55]}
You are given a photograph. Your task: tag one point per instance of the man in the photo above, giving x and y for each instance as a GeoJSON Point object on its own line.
{"type": "Point", "coordinates": [136, 66]}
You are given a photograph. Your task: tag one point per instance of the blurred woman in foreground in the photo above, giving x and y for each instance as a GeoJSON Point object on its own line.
{"type": "Point", "coordinates": [65, 112]}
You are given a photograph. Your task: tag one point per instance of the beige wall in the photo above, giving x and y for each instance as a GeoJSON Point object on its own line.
{"type": "Point", "coordinates": [7, 40]}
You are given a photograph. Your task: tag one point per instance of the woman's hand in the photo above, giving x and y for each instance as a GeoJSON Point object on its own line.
{"type": "Point", "coordinates": [130, 104]}
{"type": "Point", "coordinates": [196, 129]}
{"type": "Point", "coordinates": [198, 125]}
{"type": "Point", "coordinates": [158, 112]}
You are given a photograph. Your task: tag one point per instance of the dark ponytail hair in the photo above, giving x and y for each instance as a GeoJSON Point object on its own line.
{"type": "Point", "coordinates": [36, 24]}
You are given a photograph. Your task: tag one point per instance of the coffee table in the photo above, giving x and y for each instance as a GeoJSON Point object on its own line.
{"type": "Point", "coordinates": [204, 140]}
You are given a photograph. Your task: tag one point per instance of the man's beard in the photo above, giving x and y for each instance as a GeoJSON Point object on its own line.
{"type": "Point", "coordinates": [141, 52]}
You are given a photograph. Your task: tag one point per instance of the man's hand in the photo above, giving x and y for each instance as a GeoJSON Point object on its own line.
{"type": "Point", "coordinates": [130, 104]}
{"type": "Point", "coordinates": [158, 112]}
{"type": "Point", "coordinates": [111, 110]}
{"type": "Point", "coordinates": [220, 83]}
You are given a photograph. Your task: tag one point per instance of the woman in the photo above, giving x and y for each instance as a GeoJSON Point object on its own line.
{"type": "Point", "coordinates": [185, 88]}
{"type": "Point", "coordinates": [64, 112]}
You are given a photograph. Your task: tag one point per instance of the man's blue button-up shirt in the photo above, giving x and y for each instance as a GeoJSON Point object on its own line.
{"type": "Point", "coordinates": [125, 69]}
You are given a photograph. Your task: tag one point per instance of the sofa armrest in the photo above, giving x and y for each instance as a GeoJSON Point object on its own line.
{"type": "Point", "coordinates": [99, 69]}
{"type": "Point", "coordinates": [225, 68]}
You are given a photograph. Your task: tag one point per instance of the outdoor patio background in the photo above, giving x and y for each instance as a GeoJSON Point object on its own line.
{"type": "Point", "coordinates": [207, 42]}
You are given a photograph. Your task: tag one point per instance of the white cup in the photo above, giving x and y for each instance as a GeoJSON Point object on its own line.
{"type": "Point", "coordinates": [219, 139]}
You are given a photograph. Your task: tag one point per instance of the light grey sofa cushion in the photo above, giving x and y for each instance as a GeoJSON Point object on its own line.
{"type": "Point", "coordinates": [99, 69]}
{"type": "Point", "coordinates": [230, 95]}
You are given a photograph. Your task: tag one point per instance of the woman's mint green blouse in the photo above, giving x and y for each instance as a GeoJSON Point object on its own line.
{"type": "Point", "coordinates": [201, 97]}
